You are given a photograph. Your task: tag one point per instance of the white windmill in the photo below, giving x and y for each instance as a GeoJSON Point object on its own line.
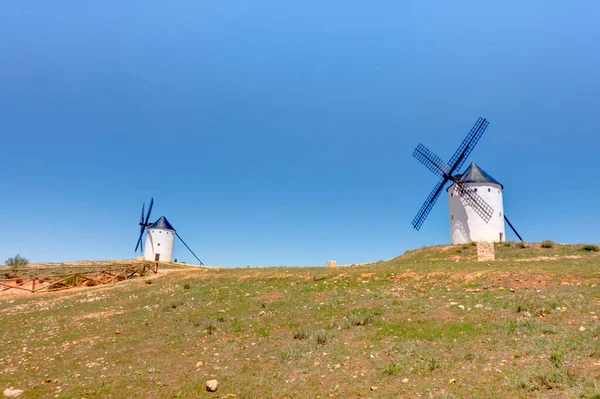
{"type": "Point", "coordinates": [160, 238]}
{"type": "Point", "coordinates": [475, 198]}
{"type": "Point", "coordinates": [465, 224]}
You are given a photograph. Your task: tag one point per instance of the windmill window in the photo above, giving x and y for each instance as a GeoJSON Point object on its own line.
{"type": "Point", "coordinates": [500, 214]}
{"type": "Point", "coordinates": [489, 190]}
{"type": "Point", "coordinates": [160, 232]}
{"type": "Point", "coordinates": [451, 217]}
{"type": "Point", "coordinates": [158, 244]}
{"type": "Point", "coordinates": [475, 190]}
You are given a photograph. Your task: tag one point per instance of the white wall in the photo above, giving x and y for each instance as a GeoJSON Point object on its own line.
{"type": "Point", "coordinates": [467, 226]}
{"type": "Point", "coordinates": [159, 241]}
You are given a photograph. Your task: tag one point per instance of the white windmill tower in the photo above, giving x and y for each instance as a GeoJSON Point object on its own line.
{"type": "Point", "coordinates": [475, 198]}
{"type": "Point", "coordinates": [160, 238]}
{"type": "Point", "coordinates": [465, 224]}
{"type": "Point", "coordinates": [159, 241]}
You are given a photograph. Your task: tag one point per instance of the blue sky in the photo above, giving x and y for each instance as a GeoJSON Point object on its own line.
{"type": "Point", "coordinates": [272, 133]}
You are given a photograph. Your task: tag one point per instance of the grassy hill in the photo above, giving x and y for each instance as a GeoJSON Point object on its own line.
{"type": "Point", "coordinates": [430, 323]}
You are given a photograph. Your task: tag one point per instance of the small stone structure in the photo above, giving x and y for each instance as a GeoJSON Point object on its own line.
{"type": "Point", "coordinates": [331, 263]}
{"type": "Point", "coordinates": [486, 251]}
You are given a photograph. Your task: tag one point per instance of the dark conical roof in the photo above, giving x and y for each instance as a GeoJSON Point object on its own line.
{"type": "Point", "coordinates": [474, 174]}
{"type": "Point", "coordinates": [162, 223]}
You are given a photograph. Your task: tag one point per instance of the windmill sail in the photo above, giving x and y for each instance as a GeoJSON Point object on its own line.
{"type": "Point", "coordinates": [446, 170]}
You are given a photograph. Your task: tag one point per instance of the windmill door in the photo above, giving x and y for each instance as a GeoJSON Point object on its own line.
{"type": "Point", "coordinates": [156, 257]}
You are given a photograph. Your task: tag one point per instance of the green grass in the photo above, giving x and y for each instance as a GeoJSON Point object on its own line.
{"type": "Point", "coordinates": [510, 328]}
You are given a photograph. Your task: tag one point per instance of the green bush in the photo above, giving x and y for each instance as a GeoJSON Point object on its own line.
{"type": "Point", "coordinates": [590, 248]}
{"type": "Point", "coordinates": [521, 245]}
{"type": "Point", "coordinates": [547, 244]}
{"type": "Point", "coordinates": [17, 261]}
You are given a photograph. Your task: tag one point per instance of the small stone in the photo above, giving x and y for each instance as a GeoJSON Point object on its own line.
{"type": "Point", "coordinates": [452, 381]}
{"type": "Point", "coordinates": [512, 290]}
{"type": "Point", "coordinates": [211, 385]}
{"type": "Point", "coordinates": [117, 332]}
{"type": "Point", "coordinates": [373, 388]}
{"type": "Point", "coordinates": [199, 364]}
{"type": "Point", "coordinates": [501, 288]}
{"type": "Point", "coordinates": [405, 380]}
{"type": "Point", "coordinates": [526, 315]}
{"type": "Point", "coordinates": [262, 313]}
{"type": "Point", "coordinates": [479, 306]}
{"type": "Point", "coordinates": [12, 392]}
{"type": "Point", "coordinates": [582, 328]}
{"type": "Point", "coordinates": [462, 307]}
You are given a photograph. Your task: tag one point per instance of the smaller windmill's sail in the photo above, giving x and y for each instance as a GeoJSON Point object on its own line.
{"type": "Point", "coordinates": [428, 204]}
{"type": "Point", "coordinates": [430, 160]}
{"type": "Point", "coordinates": [440, 168]}
{"type": "Point", "coordinates": [143, 225]}
{"type": "Point", "coordinates": [473, 199]}
{"type": "Point", "coordinates": [467, 146]}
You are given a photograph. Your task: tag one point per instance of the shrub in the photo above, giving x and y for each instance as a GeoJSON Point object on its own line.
{"type": "Point", "coordinates": [556, 359]}
{"type": "Point", "coordinates": [210, 329]}
{"type": "Point", "coordinates": [521, 245]}
{"type": "Point", "coordinates": [17, 261]}
{"type": "Point", "coordinates": [322, 337]}
{"type": "Point", "coordinates": [547, 244]}
{"type": "Point", "coordinates": [300, 335]}
{"type": "Point", "coordinates": [590, 248]}
{"type": "Point", "coordinates": [393, 369]}
{"type": "Point", "coordinates": [186, 287]}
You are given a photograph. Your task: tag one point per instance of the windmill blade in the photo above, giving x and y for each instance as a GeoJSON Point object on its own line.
{"type": "Point", "coordinates": [513, 229]}
{"type": "Point", "coordinates": [468, 144]}
{"type": "Point", "coordinates": [149, 210]}
{"type": "Point", "coordinates": [475, 201]}
{"type": "Point", "coordinates": [181, 239]}
{"type": "Point", "coordinates": [142, 217]}
{"type": "Point", "coordinates": [428, 204]}
{"type": "Point", "coordinates": [139, 241]}
{"type": "Point", "coordinates": [430, 160]}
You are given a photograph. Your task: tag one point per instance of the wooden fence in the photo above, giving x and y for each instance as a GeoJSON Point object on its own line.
{"type": "Point", "coordinates": [44, 279]}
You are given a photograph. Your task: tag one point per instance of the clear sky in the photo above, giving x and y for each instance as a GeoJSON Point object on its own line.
{"type": "Point", "coordinates": [281, 133]}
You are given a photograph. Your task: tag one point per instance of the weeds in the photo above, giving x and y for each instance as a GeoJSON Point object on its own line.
{"type": "Point", "coordinates": [556, 359]}
{"type": "Point", "coordinates": [300, 335]}
{"type": "Point", "coordinates": [322, 337]}
{"type": "Point", "coordinates": [392, 369]}
{"type": "Point", "coordinates": [363, 317]}
{"type": "Point", "coordinates": [547, 244]}
{"type": "Point", "coordinates": [210, 329]}
{"type": "Point", "coordinates": [293, 352]}
{"type": "Point", "coordinates": [590, 248]}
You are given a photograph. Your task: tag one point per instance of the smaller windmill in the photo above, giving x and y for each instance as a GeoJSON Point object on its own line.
{"type": "Point", "coordinates": [465, 200]}
{"type": "Point", "coordinates": [160, 238]}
